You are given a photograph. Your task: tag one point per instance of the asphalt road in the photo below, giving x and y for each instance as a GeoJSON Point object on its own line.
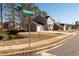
{"type": "Point", "coordinates": [70, 48]}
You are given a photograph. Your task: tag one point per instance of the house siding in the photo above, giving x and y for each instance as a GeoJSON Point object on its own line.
{"type": "Point", "coordinates": [50, 24]}
{"type": "Point", "coordinates": [40, 28]}
{"type": "Point", "coordinates": [32, 27]}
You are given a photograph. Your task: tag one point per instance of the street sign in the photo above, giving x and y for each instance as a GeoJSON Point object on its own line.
{"type": "Point", "coordinates": [28, 12]}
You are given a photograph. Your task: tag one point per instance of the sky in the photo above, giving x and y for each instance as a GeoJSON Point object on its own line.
{"type": "Point", "coordinates": [61, 12]}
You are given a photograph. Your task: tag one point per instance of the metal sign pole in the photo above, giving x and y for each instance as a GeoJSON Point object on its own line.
{"type": "Point", "coordinates": [29, 32]}
{"type": "Point", "coordinates": [29, 13]}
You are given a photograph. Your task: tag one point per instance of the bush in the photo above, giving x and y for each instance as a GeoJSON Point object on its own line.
{"type": "Point", "coordinates": [13, 32]}
{"type": "Point", "coordinates": [11, 37]}
{"type": "Point", "coordinates": [18, 36]}
{"type": "Point", "coordinates": [1, 36]}
{"type": "Point", "coordinates": [21, 30]}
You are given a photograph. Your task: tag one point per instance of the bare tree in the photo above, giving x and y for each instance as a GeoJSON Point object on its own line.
{"type": "Point", "coordinates": [1, 19]}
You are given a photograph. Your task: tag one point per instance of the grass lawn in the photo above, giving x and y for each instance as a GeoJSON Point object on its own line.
{"type": "Point", "coordinates": [35, 36]}
{"type": "Point", "coordinates": [68, 31]}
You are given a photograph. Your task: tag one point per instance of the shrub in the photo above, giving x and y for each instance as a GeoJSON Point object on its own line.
{"type": "Point", "coordinates": [13, 32]}
{"type": "Point", "coordinates": [19, 36]}
{"type": "Point", "coordinates": [1, 36]}
{"type": "Point", "coordinates": [11, 37]}
{"type": "Point", "coordinates": [21, 30]}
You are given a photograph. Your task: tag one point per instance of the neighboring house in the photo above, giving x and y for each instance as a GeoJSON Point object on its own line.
{"type": "Point", "coordinates": [5, 26]}
{"type": "Point", "coordinates": [62, 26]}
{"type": "Point", "coordinates": [59, 26]}
{"type": "Point", "coordinates": [43, 23]}
{"type": "Point", "coordinates": [0, 27]}
{"type": "Point", "coordinates": [39, 27]}
{"type": "Point", "coordinates": [11, 25]}
{"type": "Point", "coordinates": [49, 23]}
{"type": "Point", "coordinates": [37, 24]}
{"type": "Point", "coordinates": [69, 26]}
{"type": "Point", "coordinates": [17, 26]}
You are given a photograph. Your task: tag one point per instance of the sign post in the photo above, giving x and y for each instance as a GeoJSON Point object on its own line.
{"type": "Point", "coordinates": [28, 13]}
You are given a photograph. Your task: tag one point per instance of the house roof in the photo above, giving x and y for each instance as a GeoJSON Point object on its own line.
{"type": "Point", "coordinates": [48, 17]}
{"type": "Point", "coordinates": [62, 24]}
{"type": "Point", "coordinates": [36, 23]}
{"type": "Point", "coordinates": [40, 20]}
{"type": "Point", "coordinates": [58, 24]}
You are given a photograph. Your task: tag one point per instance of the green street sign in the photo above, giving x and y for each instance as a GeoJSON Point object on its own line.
{"type": "Point", "coordinates": [28, 12]}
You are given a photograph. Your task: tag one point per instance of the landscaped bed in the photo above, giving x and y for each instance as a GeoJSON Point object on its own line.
{"type": "Point", "coordinates": [35, 36]}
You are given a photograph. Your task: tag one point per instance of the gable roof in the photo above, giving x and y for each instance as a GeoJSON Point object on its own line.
{"type": "Point", "coordinates": [36, 23]}
{"type": "Point", "coordinates": [40, 20]}
{"type": "Point", "coordinates": [49, 17]}
{"type": "Point", "coordinates": [62, 24]}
